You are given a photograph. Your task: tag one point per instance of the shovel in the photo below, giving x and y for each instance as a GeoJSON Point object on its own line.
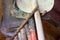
{"type": "Point", "coordinates": [30, 6]}
{"type": "Point", "coordinates": [44, 6]}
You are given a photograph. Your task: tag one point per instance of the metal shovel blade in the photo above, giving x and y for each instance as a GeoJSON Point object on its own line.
{"type": "Point", "coordinates": [29, 5]}
{"type": "Point", "coordinates": [45, 5]}
{"type": "Point", "coordinates": [26, 5]}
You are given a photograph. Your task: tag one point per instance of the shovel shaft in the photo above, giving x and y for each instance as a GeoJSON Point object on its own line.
{"type": "Point", "coordinates": [39, 26]}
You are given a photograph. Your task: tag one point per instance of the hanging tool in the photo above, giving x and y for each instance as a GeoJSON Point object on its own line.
{"type": "Point", "coordinates": [32, 11]}
{"type": "Point", "coordinates": [43, 8]}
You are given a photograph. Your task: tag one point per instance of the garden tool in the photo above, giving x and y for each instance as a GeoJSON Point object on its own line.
{"type": "Point", "coordinates": [22, 6]}
{"type": "Point", "coordinates": [44, 6]}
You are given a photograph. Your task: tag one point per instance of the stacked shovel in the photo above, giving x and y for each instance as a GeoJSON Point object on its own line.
{"type": "Point", "coordinates": [31, 28]}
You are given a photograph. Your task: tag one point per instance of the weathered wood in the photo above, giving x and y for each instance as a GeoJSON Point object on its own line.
{"type": "Point", "coordinates": [50, 29]}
